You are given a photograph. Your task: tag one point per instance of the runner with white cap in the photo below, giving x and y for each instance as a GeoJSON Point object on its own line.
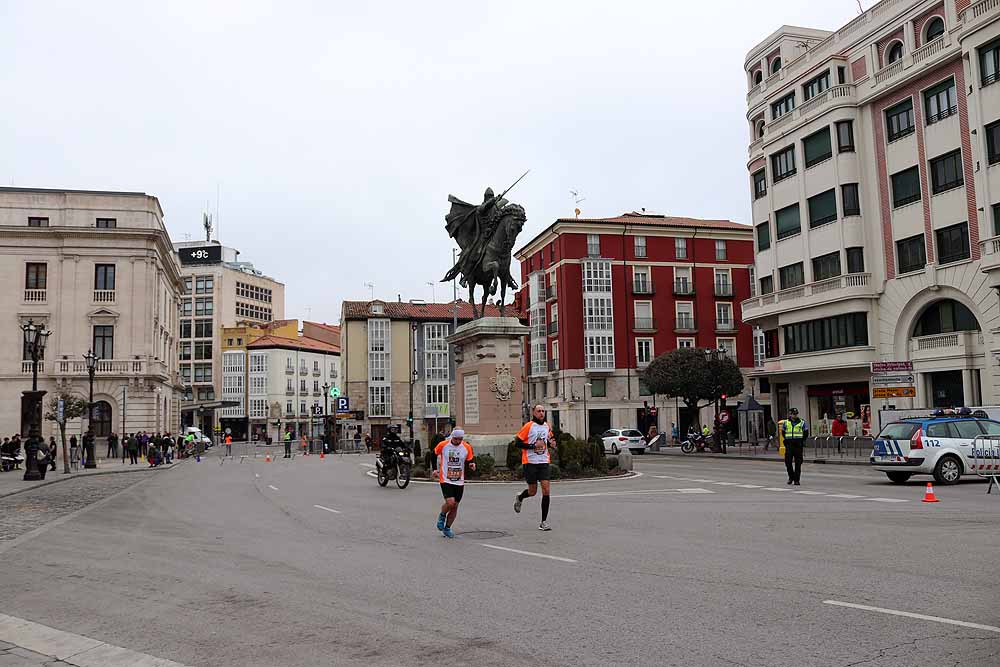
{"type": "Point", "coordinates": [452, 455]}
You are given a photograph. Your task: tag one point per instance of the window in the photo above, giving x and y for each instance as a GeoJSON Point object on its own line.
{"type": "Point", "coordinates": [826, 266]}
{"type": "Point", "coordinates": [946, 172]}
{"type": "Point", "coordinates": [996, 219]}
{"type": "Point", "coordinates": [302, 386]}
{"type": "Point", "coordinates": [35, 275]}
{"type": "Point", "coordinates": [895, 52]}
{"type": "Point", "coordinates": [899, 120]}
{"type": "Point", "coordinates": [186, 373]}
{"type": "Point", "coordinates": [288, 408]}
{"type": "Point", "coordinates": [290, 385]}
{"type": "Point", "coordinates": [783, 164]}
{"type": "Point", "coordinates": [817, 147]}
{"type": "Point", "coordinates": [436, 352]}
{"type": "Point", "coordinates": [771, 348]}
{"type": "Point", "coordinates": [775, 65]}
{"type": "Point", "coordinates": [302, 408]}
{"type": "Point", "coordinates": [643, 351]}
{"type": "Point", "coordinates": [378, 400]}
{"type": "Point", "coordinates": [685, 314]}
{"type": "Point", "coordinates": [598, 387]}
{"type": "Point", "coordinates": [911, 254]}
{"type": "Point", "coordinates": [186, 308]}
{"type": "Point", "coordinates": [378, 351]}
{"type": "Point", "coordinates": [758, 76]}
{"type": "Point", "coordinates": [935, 28]}
{"type": "Point", "coordinates": [38, 222]}
{"type": "Point", "coordinates": [723, 282]}
{"type": "Point", "coordinates": [720, 250]}
{"type": "Point", "coordinates": [104, 341]}
{"type": "Point", "coordinates": [728, 347]}
{"type": "Point", "coordinates": [845, 136]}
{"type": "Point", "coordinates": [993, 142]}
{"type": "Point", "coordinates": [685, 343]}
{"type": "Point", "coordinates": [597, 276]}
{"type": "Point", "coordinates": [106, 223]}
{"type": "Point", "coordinates": [724, 316]}
{"type": "Point", "coordinates": [640, 246]}
{"type": "Point", "coordinates": [644, 389]}
{"type": "Point", "coordinates": [436, 393]}
{"type": "Point", "coordinates": [185, 351]}
{"type": "Point", "coordinates": [841, 75]}
{"type": "Point", "coordinates": [852, 204]}
{"type": "Point", "coordinates": [593, 245]}
{"type": "Point", "coordinates": [186, 289]}
{"type": "Point", "coordinates": [682, 280]}
{"type": "Point", "coordinates": [791, 276]}
{"type": "Point", "coordinates": [597, 312]}
{"type": "Point", "coordinates": [640, 285]}
{"type": "Point", "coordinates": [681, 248]}
{"type": "Point", "coordinates": [905, 187]}
{"type": "Point", "coordinates": [767, 284]}
{"type": "Point", "coordinates": [203, 328]}
{"type": "Point", "coordinates": [822, 208]}
{"type": "Point", "coordinates": [763, 236]}
{"type": "Point", "coordinates": [315, 366]}
{"type": "Point", "coordinates": [945, 316]}
{"type": "Point", "coordinates": [643, 315]}
{"type": "Point", "coordinates": [783, 106]}
{"type": "Point", "coordinates": [953, 243]}
{"type": "Point", "coordinates": [787, 221]}
{"type": "Point", "coordinates": [204, 285]}
{"type": "Point", "coordinates": [599, 351]}
{"type": "Point", "coordinates": [104, 276]}
{"type": "Point", "coordinates": [816, 86]}
{"type": "Point", "coordinates": [759, 184]}
{"type": "Point", "coordinates": [940, 101]}
{"type": "Point", "coordinates": [203, 307]}
{"type": "Point", "coordinates": [758, 348]}
{"type": "Point", "coordinates": [752, 275]}
{"type": "Point", "coordinates": [855, 260]}
{"type": "Point", "coordinates": [829, 333]}
{"type": "Point", "coordinates": [989, 62]}
{"type": "Point", "coordinates": [185, 329]}
{"type": "Point", "coordinates": [203, 350]}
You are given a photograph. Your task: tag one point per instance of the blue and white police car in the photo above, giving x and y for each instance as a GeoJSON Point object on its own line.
{"type": "Point", "coordinates": [940, 445]}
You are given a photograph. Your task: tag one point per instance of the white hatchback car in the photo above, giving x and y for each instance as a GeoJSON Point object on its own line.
{"type": "Point", "coordinates": [617, 439]}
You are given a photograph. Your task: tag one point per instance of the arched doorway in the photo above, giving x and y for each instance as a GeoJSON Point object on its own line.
{"type": "Point", "coordinates": [940, 329]}
{"type": "Point", "coordinates": [101, 419]}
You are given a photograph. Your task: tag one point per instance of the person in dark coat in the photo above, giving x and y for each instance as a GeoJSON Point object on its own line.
{"type": "Point", "coordinates": [133, 449]}
{"type": "Point", "coordinates": [52, 452]}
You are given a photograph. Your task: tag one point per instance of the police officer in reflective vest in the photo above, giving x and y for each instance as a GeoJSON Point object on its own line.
{"type": "Point", "coordinates": [795, 432]}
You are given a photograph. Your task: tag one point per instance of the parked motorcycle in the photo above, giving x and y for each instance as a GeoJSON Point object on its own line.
{"type": "Point", "coordinates": [694, 441]}
{"type": "Point", "coordinates": [394, 463]}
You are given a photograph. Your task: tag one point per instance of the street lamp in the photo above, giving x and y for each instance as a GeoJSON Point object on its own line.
{"type": "Point", "coordinates": [34, 343]}
{"type": "Point", "coordinates": [326, 415]}
{"type": "Point", "coordinates": [88, 443]}
{"type": "Point", "coordinates": [31, 401]}
{"type": "Point", "coordinates": [586, 415]}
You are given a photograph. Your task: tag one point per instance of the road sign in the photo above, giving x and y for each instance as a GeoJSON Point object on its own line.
{"type": "Point", "coordinates": [893, 380]}
{"type": "Point", "coordinates": [343, 404]}
{"type": "Point", "coordinates": [317, 409]}
{"type": "Point", "coordinates": [724, 417]}
{"type": "Point", "coordinates": [894, 392]}
{"type": "Point", "coordinates": [334, 392]}
{"type": "Point", "coordinates": [892, 367]}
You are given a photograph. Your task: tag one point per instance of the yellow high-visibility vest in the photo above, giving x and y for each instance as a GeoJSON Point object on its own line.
{"type": "Point", "coordinates": [793, 430]}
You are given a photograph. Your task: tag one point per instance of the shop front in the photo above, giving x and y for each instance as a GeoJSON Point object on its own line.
{"type": "Point", "coordinates": [826, 401]}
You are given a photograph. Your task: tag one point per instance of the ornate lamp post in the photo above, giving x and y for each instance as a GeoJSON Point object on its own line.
{"type": "Point", "coordinates": [326, 415]}
{"type": "Point", "coordinates": [31, 401]}
{"type": "Point", "coordinates": [88, 443]}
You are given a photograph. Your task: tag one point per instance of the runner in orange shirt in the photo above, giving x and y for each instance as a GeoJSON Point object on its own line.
{"type": "Point", "coordinates": [452, 455]}
{"type": "Point", "coordinates": [535, 439]}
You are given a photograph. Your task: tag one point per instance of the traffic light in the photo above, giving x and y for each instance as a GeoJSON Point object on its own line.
{"type": "Point", "coordinates": [723, 397]}
{"type": "Point", "coordinates": [409, 420]}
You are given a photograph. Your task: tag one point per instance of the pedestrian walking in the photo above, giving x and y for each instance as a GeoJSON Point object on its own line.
{"type": "Point", "coordinates": [229, 444]}
{"type": "Point", "coordinates": [368, 442]}
{"type": "Point", "coordinates": [535, 440]}
{"type": "Point", "coordinates": [74, 453]}
{"type": "Point", "coordinates": [675, 433]}
{"type": "Point", "coordinates": [305, 445]}
{"type": "Point", "coordinates": [453, 455]}
{"type": "Point", "coordinates": [52, 452]}
{"type": "Point", "coordinates": [795, 432]}
{"type": "Point", "coordinates": [168, 448]}
{"type": "Point", "coordinates": [357, 440]}
{"type": "Point", "coordinates": [112, 446]}
{"type": "Point", "coordinates": [288, 444]}
{"type": "Point", "coordinates": [839, 430]}
{"type": "Point", "coordinates": [133, 449]}
{"type": "Point", "coordinates": [41, 457]}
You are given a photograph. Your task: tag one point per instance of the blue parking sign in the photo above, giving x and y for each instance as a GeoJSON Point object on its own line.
{"type": "Point", "coordinates": [343, 404]}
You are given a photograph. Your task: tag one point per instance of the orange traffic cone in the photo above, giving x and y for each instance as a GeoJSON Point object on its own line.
{"type": "Point", "coordinates": [322, 454]}
{"type": "Point", "coordinates": [267, 457]}
{"type": "Point", "coordinates": [929, 494]}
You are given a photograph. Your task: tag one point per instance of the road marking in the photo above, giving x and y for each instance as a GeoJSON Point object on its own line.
{"type": "Point", "coordinates": [843, 495]}
{"type": "Point", "coordinates": [908, 614]}
{"type": "Point", "coordinates": [889, 500]}
{"type": "Point", "coordinates": [257, 475]}
{"type": "Point", "coordinates": [750, 486]}
{"type": "Point", "coordinates": [367, 465]}
{"type": "Point", "coordinates": [812, 493]}
{"type": "Point", "coordinates": [726, 483]}
{"type": "Point", "coordinates": [529, 553]}
{"type": "Point", "coordinates": [320, 507]}
{"type": "Point", "coordinates": [774, 488]}
{"type": "Point", "coordinates": [272, 487]}
{"type": "Point", "coordinates": [639, 492]}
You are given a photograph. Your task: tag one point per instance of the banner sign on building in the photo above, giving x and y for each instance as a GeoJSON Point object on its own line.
{"type": "Point", "coordinates": [208, 254]}
{"type": "Point", "coordinates": [892, 367]}
{"type": "Point", "coordinates": [894, 392]}
{"type": "Point", "coordinates": [894, 380]}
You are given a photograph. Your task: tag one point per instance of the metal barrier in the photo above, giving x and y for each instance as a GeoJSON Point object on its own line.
{"type": "Point", "coordinates": [985, 459]}
{"type": "Point", "coordinates": [839, 447]}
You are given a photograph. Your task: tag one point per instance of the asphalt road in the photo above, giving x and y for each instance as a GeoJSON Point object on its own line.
{"type": "Point", "coordinates": [309, 562]}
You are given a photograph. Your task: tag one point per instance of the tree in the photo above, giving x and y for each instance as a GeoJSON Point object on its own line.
{"type": "Point", "coordinates": [694, 376]}
{"type": "Point", "coordinates": [74, 407]}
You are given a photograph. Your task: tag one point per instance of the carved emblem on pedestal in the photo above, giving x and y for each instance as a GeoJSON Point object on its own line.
{"type": "Point", "coordinates": [502, 384]}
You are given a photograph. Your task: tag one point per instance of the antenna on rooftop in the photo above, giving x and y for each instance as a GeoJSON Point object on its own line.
{"type": "Point", "coordinates": [206, 222]}
{"type": "Point", "coordinates": [576, 200]}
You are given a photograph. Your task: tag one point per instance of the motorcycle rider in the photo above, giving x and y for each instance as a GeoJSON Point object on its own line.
{"type": "Point", "coordinates": [390, 441]}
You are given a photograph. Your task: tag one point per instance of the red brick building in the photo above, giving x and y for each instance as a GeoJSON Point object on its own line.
{"type": "Point", "coordinates": [606, 295]}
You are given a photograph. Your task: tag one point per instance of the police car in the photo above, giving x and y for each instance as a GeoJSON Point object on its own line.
{"type": "Point", "coordinates": [940, 444]}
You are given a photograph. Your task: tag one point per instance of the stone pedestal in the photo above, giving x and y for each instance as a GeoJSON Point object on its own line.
{"type": "Point", "coordinates": [489, 393]}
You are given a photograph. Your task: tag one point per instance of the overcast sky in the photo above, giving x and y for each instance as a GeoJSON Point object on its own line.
{"type": "Point", "coordinates": [336, 130]}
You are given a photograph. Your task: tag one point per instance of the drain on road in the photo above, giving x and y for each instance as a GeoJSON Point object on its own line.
{"type": "Point", "coordinates": [483, 534]}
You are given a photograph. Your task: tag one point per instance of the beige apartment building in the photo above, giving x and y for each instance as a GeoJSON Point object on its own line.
{"type": "Point", "coordinates": [218, 290]}
{"type": "Point", "coordinates": [98, 270]}
{"type": "Point", "coordinates": [874, 172]}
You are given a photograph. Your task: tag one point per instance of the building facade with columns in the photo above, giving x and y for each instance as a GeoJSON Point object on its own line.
{"type": "Point", "coordinates": [98, 270]}
{"type": "Point", "coordinates": [874, 176]}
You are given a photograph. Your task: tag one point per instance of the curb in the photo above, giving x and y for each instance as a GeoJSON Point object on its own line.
{"type": "Point", "coordinates": [65, 478]}
{"type": "Point", "coordinates": [745, 457]}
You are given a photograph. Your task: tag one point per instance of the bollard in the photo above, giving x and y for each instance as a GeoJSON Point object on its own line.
{"type": "Point", "coordinates": [625, 460]}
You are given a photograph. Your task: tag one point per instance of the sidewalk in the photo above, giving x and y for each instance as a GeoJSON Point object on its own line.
{"type": "Point", "coordinates": [13, 482]}
{"type": "Point", "coordinates": [746, 453]}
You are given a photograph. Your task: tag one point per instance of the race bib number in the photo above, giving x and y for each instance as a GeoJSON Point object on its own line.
{"type": "Point", "coordinates": [454, 474]}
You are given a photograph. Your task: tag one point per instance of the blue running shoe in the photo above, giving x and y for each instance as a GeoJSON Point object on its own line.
{"type": "Point", "coordinates": [441, 520]}
{"type": "Point", "coordinates": [448, 532]}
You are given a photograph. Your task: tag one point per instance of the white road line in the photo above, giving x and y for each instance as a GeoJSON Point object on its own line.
{"type": "Point", "coordinates": [272, 487]}
{"type": "Point", "coordinates": [775, 488]}
{"type": "Point", "coordinates": [320, 507]}
{"type": "Point", "coordinates": [812, 493]}
{"type": "Point", "coordinates": [726, 483]}
{"type": "Point", "coordinates": [639, 492]}
{"type": "Point", "coordinates": [703, 481]}
{"type": "Point", "coordinates": [907, 614]}
{"type": "Point", "coordinates": [529, 553]}
{"type": "Point", "coordinates": [842, 495]}
{"type": "Point", "coordinates": [889, 500]}
{"type": "Point", "coordinates": [749, 486]}
{"type": "Point", "coordinates": [367, 465]}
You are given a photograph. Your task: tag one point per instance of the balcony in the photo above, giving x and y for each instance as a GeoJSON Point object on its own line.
{"type": "Point", "coordinates": [104, 296]}
{"type": "Point", "coordinates": [644, 324]}
{"type": "Point", "coordinates": [317, 372]}
{"type": "Point", "coordinates": [962, 344]}
{"type": "Point", "coordinates": [553, 328]}
{"type": "Point", "coordinates": [553, 365]}
{"type": "Point", "coordinates": [600, 363]}
{"type": "Point", "coordinates": [725, 326]}
{"type": "Point", "coordinates": [851, 285]}
{"type": "Point", "coordinates": [980, 12]}
{"type": "Point", "coordinates": [35, 295]}
{"type": "Point", "coordinates": [26, 367]}
{"type": "Point", "coordinates": [643, 287]}
{"type": "Point", "coordinates": [683, 288]}
{"type": "Point", "coordinates": [539, 366]}
{"type": "Point", "coordinates": [990, 264]}
{"type": "Point", "coordinates": [105, 367]}
{"type": "Point", "coordinates": [685, 324]}
{"type": "Point", "coordinates": [843, 94]}
{"type": "Point", "coordinates": [925, 56]}
{"type": "Point", "coordinates": [724, 289]}
{"type": "Point", "coordinates": [598, 323]}
{"type": "Point", "coordinates": [316, 392]}
{"type": "Point", "coordinates": [289, 370]}
{"type": "Point", "coordinates": [303, 370]}
{"type": "Point", "coordinates": [550, 293]}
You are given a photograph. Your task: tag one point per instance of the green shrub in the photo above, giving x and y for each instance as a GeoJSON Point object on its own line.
{"type": "Point", "coordinates": [612, 462]}
{"type": "Point", "coordinates": [574, 469]}
{"type": "Point", "coordinates": [485, 464]}
{"type": "Point", "coordinates": [555, 472]}
{"type": "Point", "coordinates": [513, 455]}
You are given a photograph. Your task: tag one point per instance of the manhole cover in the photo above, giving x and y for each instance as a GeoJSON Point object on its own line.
{"type": "Point", "coordinates": [483, 534]}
